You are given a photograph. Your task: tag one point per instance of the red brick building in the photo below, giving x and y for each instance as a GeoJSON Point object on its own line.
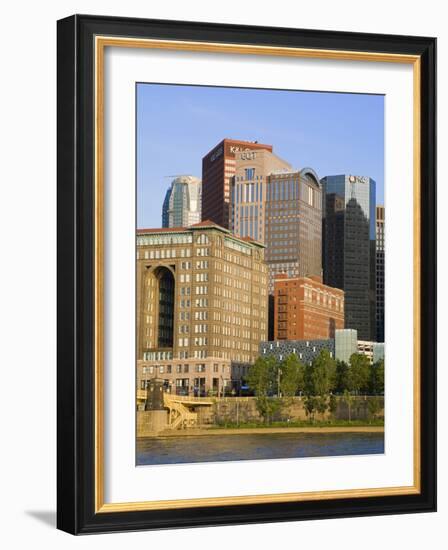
{"type": "Point", "coordinates": [306, 309]}
{"type": "Point", "coordinates": [218, 169]}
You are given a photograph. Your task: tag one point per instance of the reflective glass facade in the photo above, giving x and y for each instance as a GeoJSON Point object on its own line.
{"type": "Point", "coordinates": [349, 248]}
{"type": "Point", "coordinates": [182, 204]}
{"type": "Point", "coordinates": [346, 344]}
{"type": "Point", "coordinates": [380, 259]}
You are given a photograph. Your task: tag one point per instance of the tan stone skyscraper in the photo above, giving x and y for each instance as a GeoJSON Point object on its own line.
{"type": "Point", "coordinates": [249, 191]}
{"type": "Point", "coordinates": [293, 227]}
{"type": "Point", "coordinates": [282, 208]}
{"type": "Point", "coordinates": [201, 306]}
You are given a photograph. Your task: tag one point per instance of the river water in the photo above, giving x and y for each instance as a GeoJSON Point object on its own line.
{"type": "Point", "coordinates": [216, 448]}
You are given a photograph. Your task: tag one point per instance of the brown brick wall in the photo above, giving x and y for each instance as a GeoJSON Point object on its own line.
{"type": "Point", "coordinates": [306, 309]}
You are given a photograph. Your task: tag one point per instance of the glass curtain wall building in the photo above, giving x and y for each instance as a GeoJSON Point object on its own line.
{"type": "Point", "coordinates": [380, 257]}
{"type": "Point", "coordinates": [349, 247]}
{"type": "Point", "coordinates": [182, 203]}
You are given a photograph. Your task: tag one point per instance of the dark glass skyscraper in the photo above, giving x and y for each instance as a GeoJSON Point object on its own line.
{"type": "Point", "coordinates": [380, 259]}
{"type": "Point", "coordinates": [348, 250]}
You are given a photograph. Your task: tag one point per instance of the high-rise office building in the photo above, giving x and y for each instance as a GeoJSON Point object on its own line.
{"type": "Point", "coordinates": [293, 224]}
{"type": "Point", "coordinates": [380, 258]}
{"type": "Point", "coordinates": [348, 251]}
{"type": "Point", "coordinates": [306, 309]}
{"type": "Point", "coordinates": [201, 305]}
{"type": "Point", "coordinates": [182, 204]}
{"type": "Point", "coordinates": [248, 191]}
{"type": "Point", "coordinates": [218, 169]}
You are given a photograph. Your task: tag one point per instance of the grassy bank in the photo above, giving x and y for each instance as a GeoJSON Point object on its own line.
{"type": "Point", "coordinates": [269, 429]}
{"type": "Point", "coordinates": [300, 424]}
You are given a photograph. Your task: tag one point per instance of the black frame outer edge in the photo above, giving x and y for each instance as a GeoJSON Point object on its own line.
{"type": "Point", "coordinates": [75, 172]}
{"type": "Point", "coordinates": [67, 479]}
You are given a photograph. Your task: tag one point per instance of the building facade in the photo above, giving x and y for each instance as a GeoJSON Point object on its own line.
{"type": "Point", "coordinates": [249, 191]}
{"type": "Point", "coordinates": [218, 170]}
{"type": "Point", "coordinates": [293, 226]}
{"type": "Point", "coordinates": [201, 306]}
{"type": "Point", "coordinates": [183, 202]}
{"type": "Point", "coordinates": [341, 347]}
{"type": "Point", "coordinates": [373, 350]}
{"type": "Point", "coordinates": [346, 344]}
{"type": "Point", "coordinates": [348, 251]}
{"type": "Point", "coordinates": [380, 259]}
{"type": "Point", "coordinates": [306, 309]}
{"type": "Point", "coordinates": [306, 350]}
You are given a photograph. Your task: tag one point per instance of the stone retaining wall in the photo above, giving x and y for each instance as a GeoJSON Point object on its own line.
{"type": "Point", "coordinates": [243, 409]}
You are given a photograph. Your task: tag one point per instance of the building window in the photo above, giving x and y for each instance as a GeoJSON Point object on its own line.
{"type": "Point", "coordinates": [249, 173]}
{"type": "Point", "coordinates": [203, 239]}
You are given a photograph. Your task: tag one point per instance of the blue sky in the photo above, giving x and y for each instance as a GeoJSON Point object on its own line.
{"type": "Point", "coordinates": [332, 133]}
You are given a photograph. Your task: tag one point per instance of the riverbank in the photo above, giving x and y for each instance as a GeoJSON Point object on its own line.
{"type": "Point", "coordinates": [266, 431]}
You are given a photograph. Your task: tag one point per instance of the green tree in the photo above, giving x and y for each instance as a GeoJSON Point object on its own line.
{"type": "Point", "coordinates": [374, 407]}
{"type": "Point", "coordinates": [333, 404]}
{"type": "Point", "coordinates": [291, 376]}
{"type": "Point", "coordinates": [323, 373]}
{"type": "Point", "coordinates": [348, 400]}
{"type": "Point", "coordinates": [359, 373]}
{"type": "Point", "coordinates": [268, 377]}
{"type": "Point", "coordinates": [262, 378]}
{"type": "Point", "coordinates": [261, 375]}
{"type": "Point", "coordinates": [310, 404]}
{"type": "Point", "coordinates": [319, 380]}
{"type": "Point", "coordinates": [342, 377]}
{"type": "Point", "coordinates": [376, 382]}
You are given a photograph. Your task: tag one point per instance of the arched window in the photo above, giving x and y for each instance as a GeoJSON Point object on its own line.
{"type": "Point", "coordinates": [165, 321]}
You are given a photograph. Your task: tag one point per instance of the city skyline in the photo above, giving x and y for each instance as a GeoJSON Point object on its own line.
{"type": "Point", "coordinates": [333, 133]}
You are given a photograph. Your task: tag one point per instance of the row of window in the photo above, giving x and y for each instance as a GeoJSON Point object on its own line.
{"type": "Point", "coordinates": [168, 369]}
{"type": "Point", "coordinates": [199, 277]}
{"type": "Point", "coordinates": [231, 327]}
{"type": "Point", "coordinates": [157, 240]}
{"type": "Point", "coordinates": [247, 192]}
{"type": "Point", "coordinates": [201, 341]}
{"type": "Point", "coordinates": [162, 254]}
{"type": "Point", "coordinates": [230, 243]}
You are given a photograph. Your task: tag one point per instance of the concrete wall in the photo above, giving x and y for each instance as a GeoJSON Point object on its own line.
{"type": "Point", "coordinates": [151, 422]}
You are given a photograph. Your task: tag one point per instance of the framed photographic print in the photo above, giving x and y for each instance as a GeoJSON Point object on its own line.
{"type": "Point", "coordinates": [247, 274]}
